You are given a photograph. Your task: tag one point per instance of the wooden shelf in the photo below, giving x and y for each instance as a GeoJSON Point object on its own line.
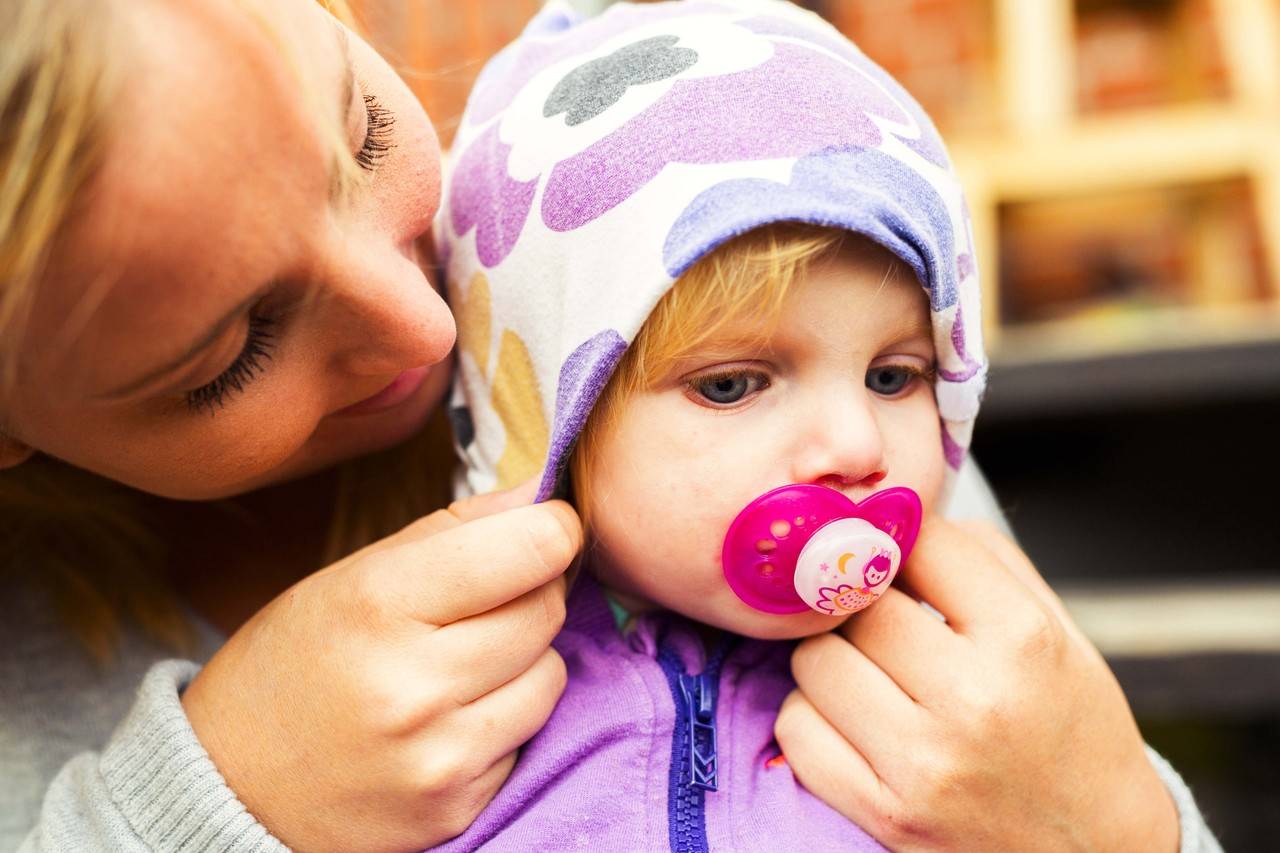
{"type": "Point", "coordinates": [1181, 330]}
{"type": "Point", "coordinates": [1156, 147]}
{"type": "Point", "coordinates": [1049, 151]}
{"type": "Point", "coordinates": [1170, 618]}
{"type": "Point", "coordinates": [1182, 650]}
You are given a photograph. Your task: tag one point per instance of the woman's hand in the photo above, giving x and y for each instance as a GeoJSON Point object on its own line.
{"type": "Point", "coordinates": [1000, 729]}
{"type": "Point", "coordinates": [378, 705]}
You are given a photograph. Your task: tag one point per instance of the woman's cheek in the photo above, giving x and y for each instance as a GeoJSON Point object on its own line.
{"type": "Point", "coordinates": [206, 455]}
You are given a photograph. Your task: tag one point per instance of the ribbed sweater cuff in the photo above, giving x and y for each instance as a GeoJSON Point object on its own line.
{"type": "Point", "coordinates": [164, 782]}
{"type": "Point", "coordinates": [1196, 835]}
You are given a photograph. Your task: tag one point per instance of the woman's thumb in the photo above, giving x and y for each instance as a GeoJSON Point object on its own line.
{"type": "Point", "coordinates": [490, 503]}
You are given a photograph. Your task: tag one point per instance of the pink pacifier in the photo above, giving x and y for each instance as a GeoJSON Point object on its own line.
{"type": "Point", "coordinates": [804, 546]}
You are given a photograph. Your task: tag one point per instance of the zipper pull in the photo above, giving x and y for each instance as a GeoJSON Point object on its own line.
{"type": "Point", "coordinates": [699, 692]}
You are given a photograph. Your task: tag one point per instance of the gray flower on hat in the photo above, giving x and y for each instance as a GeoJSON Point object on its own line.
{"type": "Point", "coordinates": [593, 87]}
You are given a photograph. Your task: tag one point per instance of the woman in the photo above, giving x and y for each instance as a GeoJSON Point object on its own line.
{"type": "Point", "coordinates": [218, 340]}
{"type": "Point", "coordinates": [232, 202]}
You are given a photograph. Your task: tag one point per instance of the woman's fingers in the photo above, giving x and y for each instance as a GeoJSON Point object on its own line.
{"type": "Point", "coordinates": [1006, 695]}
{"type": "Point", "coordinates": [456, 815]}
{"type": "Point", "coordinates": [909, 643]}
{"type": "Point", "coordinates": [827, 764]}
{"type": "Point", "coordinates": [462, 772]}
{"type": "Point", "coordinates": [857, 697]}
{"type": "Point", "coordinates": [1021, 567]}
{"type": "Point", "coordinates": [478, 506]}
{"type": "Point", "coordinates": [513, 713]}
{"type": "Point", "coordinates": [475, 567]}
{"type": "Point", "coordinates": [460, 512]}
{"type": "Point", "coordinates": [969, 584]}
{"type": "Point", "coordinates": [481, 653]}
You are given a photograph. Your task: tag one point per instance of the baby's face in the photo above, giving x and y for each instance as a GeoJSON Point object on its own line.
{"type": "Point", "coordinates": [840, 396]}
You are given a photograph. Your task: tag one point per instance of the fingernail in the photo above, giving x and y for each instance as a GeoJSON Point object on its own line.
{"type": "Point", "coordinates": [526, 491]}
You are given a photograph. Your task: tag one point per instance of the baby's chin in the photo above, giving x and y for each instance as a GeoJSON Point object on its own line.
{"type": "Point", "coordinates": [769, 626]}
{"type": "Point", "coordinates": [728, 613]}
{"type": "Point", "coordinates": [719, 608]}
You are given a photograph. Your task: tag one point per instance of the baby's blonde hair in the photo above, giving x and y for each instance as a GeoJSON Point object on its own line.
{"type": "Point", "coordinates": [91, 541]}
{"type": "Point", "coordinates": [748, 276]}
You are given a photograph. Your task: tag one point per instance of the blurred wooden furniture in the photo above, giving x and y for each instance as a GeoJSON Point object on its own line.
{"type": "Point", "coordinates": [1049, 149]}
{"type": "Point", "coordinates": [439, 46]}
{"type": "Point", "coordinates": [1140, 108]}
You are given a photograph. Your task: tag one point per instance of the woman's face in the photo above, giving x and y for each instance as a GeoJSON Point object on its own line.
{"type": "Point", "coordinates": [216, 318]}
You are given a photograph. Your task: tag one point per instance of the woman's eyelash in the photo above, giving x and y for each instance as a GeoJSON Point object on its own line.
{"type": "Point", "coordinates": [377, 138]}
{"type": "Point", "coordinates": [249, 364]}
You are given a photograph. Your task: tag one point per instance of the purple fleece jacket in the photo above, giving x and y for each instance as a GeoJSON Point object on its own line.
{"type": "Point", "coordinates": [599, 774]}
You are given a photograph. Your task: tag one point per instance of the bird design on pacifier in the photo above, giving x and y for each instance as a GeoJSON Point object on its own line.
{"type": "Point", "coordinates": [802, 547]}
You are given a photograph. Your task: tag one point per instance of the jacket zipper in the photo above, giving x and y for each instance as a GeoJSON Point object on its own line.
{"type": "Point", "coordinates": [694, 768]}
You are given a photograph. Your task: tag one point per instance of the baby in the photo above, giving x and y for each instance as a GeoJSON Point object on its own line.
{"type": "Point", "coordinates": [714, 284]}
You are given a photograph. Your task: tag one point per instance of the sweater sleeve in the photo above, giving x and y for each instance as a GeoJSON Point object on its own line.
{"type": "Point", "coordinates": [153, 788]}
{"type": "Point", "coordinates": [1195, 833]}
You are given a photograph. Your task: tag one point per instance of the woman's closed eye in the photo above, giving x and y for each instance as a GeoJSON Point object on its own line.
{"type": "Point", "coordinates": [726, 389]}
{"type": "Point", "coordinates": [248, 365]}
{"type": "Point", "coordinates": [891, 380]}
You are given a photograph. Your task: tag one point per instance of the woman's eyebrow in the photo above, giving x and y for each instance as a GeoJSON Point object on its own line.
{"type": "Point", "coordinates": [346, 91]}
{"type": "Point", "coordinates": [204, 342]}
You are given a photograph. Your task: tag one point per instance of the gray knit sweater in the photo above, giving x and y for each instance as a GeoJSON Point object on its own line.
{"type": "Point", "coordinates": [95, 758]}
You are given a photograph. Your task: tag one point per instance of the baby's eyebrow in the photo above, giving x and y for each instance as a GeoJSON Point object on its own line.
{"type": "Point", "coordinates": [919, 326]}
{"type": "Point", "coordinates": [914, 326]}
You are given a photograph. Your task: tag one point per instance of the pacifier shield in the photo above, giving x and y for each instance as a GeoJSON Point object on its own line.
{"type": "Point", "coordinates": [802, 547]}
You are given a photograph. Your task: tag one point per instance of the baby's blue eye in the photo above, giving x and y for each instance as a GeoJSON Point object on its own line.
{"type": "Point", "coordinates": [728, 388]}
{"type": "Point", "coordinates": [890, 379]}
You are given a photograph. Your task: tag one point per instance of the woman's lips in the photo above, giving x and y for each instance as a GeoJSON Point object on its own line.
{"type": "Point", "coordinates": [400, 389]}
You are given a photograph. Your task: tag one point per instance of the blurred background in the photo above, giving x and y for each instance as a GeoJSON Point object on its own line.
{"type": "Point", "coordinates": [1122, 162]}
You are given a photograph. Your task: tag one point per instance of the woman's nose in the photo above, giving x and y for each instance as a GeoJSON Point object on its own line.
{"type": "Point", "coordinates": [388, 317]}
{"type": "Point", "coordinates": [841, 444]}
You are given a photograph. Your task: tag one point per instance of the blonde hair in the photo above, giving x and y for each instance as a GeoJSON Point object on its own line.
{"type": "Point", "coordinates": [748, 276]}
{"type": "Point", "coordinates": [93, 542]}
{"type": "Point", "coordinates": [54, 85]}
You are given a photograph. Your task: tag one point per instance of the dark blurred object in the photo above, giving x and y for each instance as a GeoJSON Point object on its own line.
{"type": "Point", "coordinates": [1233, 768]}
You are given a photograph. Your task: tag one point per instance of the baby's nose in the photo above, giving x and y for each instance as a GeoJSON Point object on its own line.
{"type": "Point", "coordinates": [840, 446]}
